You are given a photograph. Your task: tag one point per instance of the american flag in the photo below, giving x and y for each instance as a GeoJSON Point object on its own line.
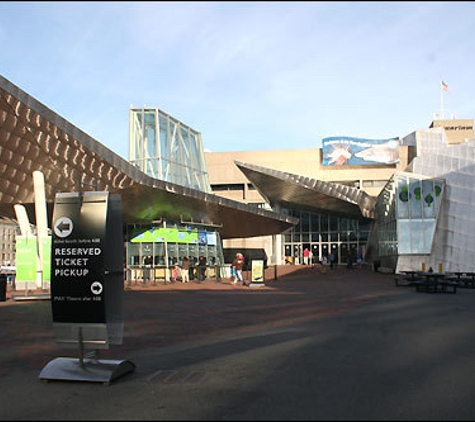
{"type": "Point", "coordinates": [444, 86]}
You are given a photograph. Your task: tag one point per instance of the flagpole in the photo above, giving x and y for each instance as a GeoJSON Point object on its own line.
{"type": "Point", "coordinates": [442, 114]}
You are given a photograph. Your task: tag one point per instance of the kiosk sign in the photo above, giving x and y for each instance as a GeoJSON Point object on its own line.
{"type": "Point", "coordinates": [257, 273]}
{"type": "Point", "coordinates": [77, 258]}
{"type": "Point", "coordinates": [87, 285]}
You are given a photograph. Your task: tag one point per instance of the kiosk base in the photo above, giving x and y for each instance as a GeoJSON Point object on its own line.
{"type": "Point", "coordinates": [91, 370]}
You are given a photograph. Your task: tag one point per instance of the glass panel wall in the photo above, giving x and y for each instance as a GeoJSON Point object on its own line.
{"type": "Point", "coordinates": [324, 234]}
{"type": "Point", "coordinates": [167, 149]}
{"type": "Point", "coordinates": [407, 212]}
{"type": "Point", "coordinates": [167, 246]}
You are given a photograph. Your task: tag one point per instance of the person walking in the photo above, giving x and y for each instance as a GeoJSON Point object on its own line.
{"type": "Point", "coordinates": [238, 265]}
{"type": "Point", "coordinates": [233, 272]}
{"type": "Point", "coordinates": [185, 270]}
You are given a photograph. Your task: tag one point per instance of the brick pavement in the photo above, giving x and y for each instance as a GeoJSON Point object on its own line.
{"type": "Point", "coordinates": [340, 345]}
{"type": "Point", "coordinates": [160, 314]}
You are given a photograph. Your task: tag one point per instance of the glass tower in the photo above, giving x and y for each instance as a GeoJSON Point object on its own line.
{"type": "Point", "coordinates": [166, 149]}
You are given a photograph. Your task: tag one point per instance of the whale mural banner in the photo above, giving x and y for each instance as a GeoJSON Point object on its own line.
{"type": "Point", "coordinates": [349, 151]}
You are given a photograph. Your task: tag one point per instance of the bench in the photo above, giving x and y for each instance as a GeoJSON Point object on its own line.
{"type": "Point", "coordinates": [436, 286]}
{"type": "Point", "coordinates": [464, 279]}
{"type": "Point", "coordinates": [466, 282]}
{"type": "Point", "coordinates": [406, 281]}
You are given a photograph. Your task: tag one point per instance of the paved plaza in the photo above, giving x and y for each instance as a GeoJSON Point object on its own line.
{"type": "Point", "coordinates": [340, 345]}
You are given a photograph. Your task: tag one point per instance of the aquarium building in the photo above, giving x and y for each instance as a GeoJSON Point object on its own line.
{"type": "Point", "coordinates": [400, 203]}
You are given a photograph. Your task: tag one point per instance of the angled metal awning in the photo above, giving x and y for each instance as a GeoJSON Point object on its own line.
{"type": "Point", "coordinates": [34, 138]}
{"type": "Point", "coordinates": [286, 190]}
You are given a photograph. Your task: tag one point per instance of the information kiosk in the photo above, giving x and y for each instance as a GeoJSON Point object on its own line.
{"type": "Point", "coordinates": [87, 285]}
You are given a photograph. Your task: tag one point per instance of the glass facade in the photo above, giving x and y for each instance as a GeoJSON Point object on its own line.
{"type": "Point", "coordinates": [8, 231]}
{"type": "Point", "coordinates": [323, 234]}
{"type": "Point", "coordinates": [407, 212]}
{"type": "Point", "coordinates": [166, 149]}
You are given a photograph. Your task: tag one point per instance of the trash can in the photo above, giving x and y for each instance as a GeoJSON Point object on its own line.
{"type": "Point", "coordinates": [3, 287]}
{"type": "Point", "coordinates": [376, 265]}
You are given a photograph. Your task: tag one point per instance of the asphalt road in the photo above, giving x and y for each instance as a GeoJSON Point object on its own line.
{"type": "Point", "coordinates": [344, 345]}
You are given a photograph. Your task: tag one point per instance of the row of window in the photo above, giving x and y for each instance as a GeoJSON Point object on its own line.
{"type": "Point", "coordinates": [294, 253]}
{"type": "Point", "coordinates": [232, 187]}
{"type": "Point", "coordinates": [327, 224]}
{"type": "Point", "coordinates": [323, 234]}
{"type": "Point", "coordinates": [353, 183]}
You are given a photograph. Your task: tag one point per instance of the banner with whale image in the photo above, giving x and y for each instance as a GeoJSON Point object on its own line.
{"type": "Point", "coordinates": [348, 151]}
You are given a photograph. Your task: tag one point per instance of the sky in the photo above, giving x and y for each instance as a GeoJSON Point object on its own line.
{"type": "Point", "coordinates": [246, 75]}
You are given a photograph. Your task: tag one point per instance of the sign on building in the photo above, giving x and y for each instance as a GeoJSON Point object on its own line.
{"type": "Point", "coordinates": [348, 151]}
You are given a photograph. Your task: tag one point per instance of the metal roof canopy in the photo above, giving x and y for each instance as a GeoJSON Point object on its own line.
{"type": "Point", "coordinates": [33, 137]}
{"type": "Point", "coordinates": [288, 190]}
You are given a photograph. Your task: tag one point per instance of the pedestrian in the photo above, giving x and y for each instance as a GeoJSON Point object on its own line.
{"type": "Point", "coordinates": [324, 263]}
{"type": "Point", "coordinates": [176, 274]}
{"type": "Point", "coordinates": [332, 259]}
{"type": "Point", "coordinates": [148, 265]}
{"type": "Point", "coordinates": [238, 265]}
{"type": "Point", "coordinates": [185, 270]}
{"type": "Point", "coordinates": [233, 272]}
{"type": "Point", "coordinates": [201, 268]}
{"type": "Point", "coordinates": [359, 258]}
{"type": "Point", "coordinates": [296, 257]}
{"type": "Point", "coordinates": [193, 268]}
{"type": "Point", "coordinates": [306, 253]}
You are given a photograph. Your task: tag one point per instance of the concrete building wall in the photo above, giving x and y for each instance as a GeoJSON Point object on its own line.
{"type": "Point", "coordinates": [304, 162]}
{"type": "Point", "coordinates": [456, 130]}
{"type": "Point", "coordinates": [228, 181]}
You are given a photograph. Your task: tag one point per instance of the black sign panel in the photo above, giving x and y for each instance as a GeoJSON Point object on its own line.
{"type": "Point", "coordinates": [77, 257]}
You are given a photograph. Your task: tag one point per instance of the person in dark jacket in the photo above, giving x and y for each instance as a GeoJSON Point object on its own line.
{"type": "Point", "coordinates": [185, 270]}
{"type": "Point", "coordinates": [201, 268]}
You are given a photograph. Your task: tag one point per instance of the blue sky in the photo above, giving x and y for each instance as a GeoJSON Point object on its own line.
{"type": "Point", "coordinates": [247, 75]}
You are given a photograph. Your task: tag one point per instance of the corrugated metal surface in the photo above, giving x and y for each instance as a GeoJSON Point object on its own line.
{"type": "Point", "coordinates": [33, 137]}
